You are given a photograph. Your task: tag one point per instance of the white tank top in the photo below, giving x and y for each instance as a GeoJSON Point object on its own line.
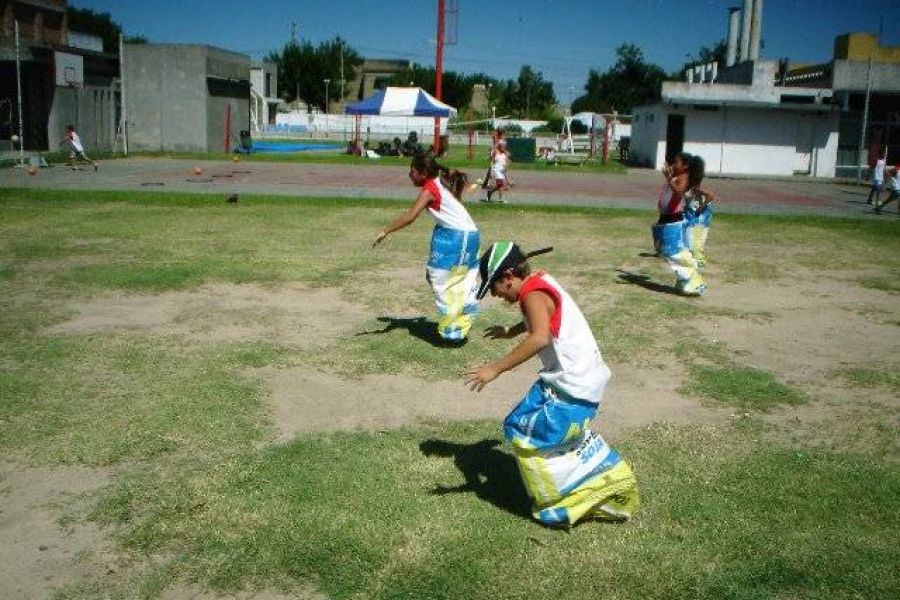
{"type": "Point", "coordinates": [572, 361]}
{"type": "Point", "coordinates": [446, 209]}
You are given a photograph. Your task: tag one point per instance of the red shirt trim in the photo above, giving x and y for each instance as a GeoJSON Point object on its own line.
{"type": "Point", "coordinates": [535, 282]}
{"type": "Point", "coordinates": [432, 186]}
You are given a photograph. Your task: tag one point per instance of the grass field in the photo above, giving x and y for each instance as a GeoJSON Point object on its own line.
{"type": "Point", "coordinates": [143, 335]}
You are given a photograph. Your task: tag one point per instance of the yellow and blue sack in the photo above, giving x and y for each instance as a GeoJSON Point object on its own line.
{"type": "Point", "coordinates": [452, 273]}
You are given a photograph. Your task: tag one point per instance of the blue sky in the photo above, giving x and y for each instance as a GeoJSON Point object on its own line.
{"type": "Point", "coordinates": [562, 39]}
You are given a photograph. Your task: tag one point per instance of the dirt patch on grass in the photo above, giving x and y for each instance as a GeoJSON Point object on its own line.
{"type": "Point", "coordinates": [186, 592]}
{"type": "Point", "coordinates": [37, 553]}
{"type": "Point", "coordinates": [304, 401]}
{"type": "Point", "coordinates": [291, 314]}
{"type": "Point", "coordinates": [814, 326]}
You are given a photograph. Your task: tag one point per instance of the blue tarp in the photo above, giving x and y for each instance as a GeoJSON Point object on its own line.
{"type": "Point", "coordinates": [289, 147]}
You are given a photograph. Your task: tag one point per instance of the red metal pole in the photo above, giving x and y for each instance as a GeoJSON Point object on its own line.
{"type": "Point", "coordinates": [228, 129]}
{"type": "Point", "coordinates": [438, 68]}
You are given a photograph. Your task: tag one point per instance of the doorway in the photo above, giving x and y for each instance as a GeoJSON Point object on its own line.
{"type": "Point", "coordinates": [804, 144]}
{"type": "Point", "coordinates": [674, 136]}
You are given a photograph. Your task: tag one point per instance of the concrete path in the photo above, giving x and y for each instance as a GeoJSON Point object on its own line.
{"type": "Point", "coordinates": [638, 189]}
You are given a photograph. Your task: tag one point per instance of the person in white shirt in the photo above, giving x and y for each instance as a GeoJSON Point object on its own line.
{"type": "Point", "coordinates": [894, 185]}
{"type": "Point", "coordinates": [569, 471]}
{"type": "Point", "coordinates": [76, 148]}
{"type": "Point", "coordinates": [499, 167]}
{"type": "Point", "coordinates": [877, 180]}
{"type": "Point", "coordinates": [452, 269]}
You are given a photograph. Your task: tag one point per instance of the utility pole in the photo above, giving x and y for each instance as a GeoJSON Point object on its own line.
{"type": "Point", "coordinates": [327, 81]}
{"type": "Point", "coordinates": [865, 123]}
{"type": "Point", "coordinates": [19, 98]}
{"type": "Point", "coordinates": [123, 125]}
{"type": "Point", "coordinates": [342, 70]}
{"type": "Point", "coordinates": [297, 80]}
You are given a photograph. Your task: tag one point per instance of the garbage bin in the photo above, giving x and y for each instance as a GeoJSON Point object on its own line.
{"type": "Point", "coordinates": [246, 141]}
{"type": "Point", "coordinates": [521, 149]}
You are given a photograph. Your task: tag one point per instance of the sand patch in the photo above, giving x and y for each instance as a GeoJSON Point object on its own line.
{"type": "Point", "coordinates": [291, 314]}
{"type": "Point", "coordinates": [187, 592]}
{"type": "Point", "coordinates": [814, 326]}
{"type": "Point", "coordinates": [37, 554]}
{"type": "Point", "coordinates": [303, 401]}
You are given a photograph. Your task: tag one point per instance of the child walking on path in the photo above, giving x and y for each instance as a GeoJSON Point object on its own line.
{"type": "Point", "coordinates": [76, 148]}
{"type": "Point", "coordinates": [697, 211]}
{"type": "Point", "coordinates": [668, 233]}
{"type": "Point", "coordinates": [452, 270]}
{"type": "Point", "coordinates": [894, 186]}
{"type": "Point", "coordinates": [569, 471]}
{"type": "Point", "coordinates": [499, 167]}
{"type": "Point", "coordinates": [877, 180]}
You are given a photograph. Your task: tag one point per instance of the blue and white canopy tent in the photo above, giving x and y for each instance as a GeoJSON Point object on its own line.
{"type": "Point", "coordinates": [399, 102]}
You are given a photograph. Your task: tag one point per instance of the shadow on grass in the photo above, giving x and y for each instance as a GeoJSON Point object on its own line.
{"type": "Point", "coordinates": [492, 475]}
{"type": "Point", "coordinates": [645, 282]}
{"type": "Point", "coordinates": [418, 327]}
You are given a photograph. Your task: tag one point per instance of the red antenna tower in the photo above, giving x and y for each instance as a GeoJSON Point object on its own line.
{"type": "Point", "coordinates": [447, 9]}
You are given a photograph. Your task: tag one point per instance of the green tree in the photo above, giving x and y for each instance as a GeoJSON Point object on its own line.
{"type": "Point", "coordinates": [707, 54]}
{"type": "Point", "coordinates": [456, 88]}
{"type": "Point", "coordinates": [85, 20]}
{"type": "Point", "coordinates": [303, 69]}
{"type": "Point", "coordinates": [630, 82]}
{"type": "Point", "coordinates": [535, 94]}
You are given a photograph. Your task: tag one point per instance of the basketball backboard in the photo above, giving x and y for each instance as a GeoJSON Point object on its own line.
{"type": "Point", "coordinates": [69, 69]}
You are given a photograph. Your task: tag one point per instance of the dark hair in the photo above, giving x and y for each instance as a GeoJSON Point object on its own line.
{"type": "Point", "coordinates": [684, 157]}
{"type": "Point", "coordinates": [70, 128]}
{"type": "Point", "coordinates": [696, 171]}
{"type": "Point", "coordinates": [455, 180]}
{"type": "Point", "coordinates": [521, 270]}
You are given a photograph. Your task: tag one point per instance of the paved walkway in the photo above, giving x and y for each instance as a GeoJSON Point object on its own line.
{"type": "Point", "coordinates": [638, 189]}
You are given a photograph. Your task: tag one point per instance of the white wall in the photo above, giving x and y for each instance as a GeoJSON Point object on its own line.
{"type": "Point", "coordinates": [754, 141]}
{"type": "Point", "coordinates": [334, 123]}
{"type": "Point", "coordinates": [742, 141]}
{"type": "Point", "coordinates": [648, 136]}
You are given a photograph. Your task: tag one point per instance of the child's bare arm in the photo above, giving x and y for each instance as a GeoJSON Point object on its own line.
{"type": "Point", "coordinates": [410, 215]}
{"type": "Point", "coordinates": [538, 311]}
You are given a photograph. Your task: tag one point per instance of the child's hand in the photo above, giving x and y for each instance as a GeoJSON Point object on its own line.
{"type": "Point", "coordinates": [479, 377]}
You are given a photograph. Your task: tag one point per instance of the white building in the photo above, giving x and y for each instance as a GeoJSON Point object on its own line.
{"type": "Point", "coordinates": [740, 129]}
{"type": "Point", "coordinates": [264, 99]}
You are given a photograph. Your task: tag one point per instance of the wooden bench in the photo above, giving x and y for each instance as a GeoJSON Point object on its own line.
{"type": "Point", "coordinates": [564, 158]}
